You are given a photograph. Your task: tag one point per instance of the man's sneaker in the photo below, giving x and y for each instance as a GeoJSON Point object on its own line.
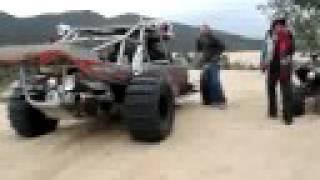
{"type": "Point", "coordinates": [288, 123]}
{"type": "Point", "coordinates": [288, 120]}
{"type": "Point", "coordinates": [219, 105]}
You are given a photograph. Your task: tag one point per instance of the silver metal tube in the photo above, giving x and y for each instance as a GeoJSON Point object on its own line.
{"type": "Point", "coordinates": [23, 80]}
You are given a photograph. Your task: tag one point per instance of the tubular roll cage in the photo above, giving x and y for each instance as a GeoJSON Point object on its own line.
{"type": "Point", "coordinates": [110, 38]}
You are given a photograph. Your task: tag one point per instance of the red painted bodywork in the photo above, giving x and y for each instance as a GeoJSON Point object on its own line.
{"type": "Point", "coordinates": [100, 70]}
{"type": "Point", "coordinates": [93, 69]}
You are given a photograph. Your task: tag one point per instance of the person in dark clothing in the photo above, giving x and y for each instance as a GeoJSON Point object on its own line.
{"type": "Point", "coordinates": [211, 49]}
{"type": "Point", "coordinates": [280, 69]}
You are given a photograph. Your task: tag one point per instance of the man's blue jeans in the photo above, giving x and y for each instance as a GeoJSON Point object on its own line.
{"type": "Point", "coordinates": [216, 93]}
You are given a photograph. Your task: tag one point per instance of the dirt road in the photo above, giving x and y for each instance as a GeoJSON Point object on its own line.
{"type": "Point", "coordinates": [237, 143]}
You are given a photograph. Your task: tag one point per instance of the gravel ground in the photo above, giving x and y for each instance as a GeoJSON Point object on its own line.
{"type": "Point", "coordinates": [237, 143]}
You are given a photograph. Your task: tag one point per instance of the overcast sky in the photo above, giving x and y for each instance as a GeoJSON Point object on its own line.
{"type": "Point", "coordinates": [237, 16]}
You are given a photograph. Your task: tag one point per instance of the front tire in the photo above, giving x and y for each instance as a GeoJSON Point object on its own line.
{"type": "Point", "coordinates": [26, 120]}
{"type": "Point", "coordinates": [149, 109]}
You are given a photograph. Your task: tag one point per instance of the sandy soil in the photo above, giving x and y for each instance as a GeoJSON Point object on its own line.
{"type": "Point", "coordinates": [237, 143]}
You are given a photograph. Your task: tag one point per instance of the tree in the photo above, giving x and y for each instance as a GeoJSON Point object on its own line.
{"type": "Point", "coordinates": [307, 3]}
{"type": "Point", "coordinates": [304, 18]}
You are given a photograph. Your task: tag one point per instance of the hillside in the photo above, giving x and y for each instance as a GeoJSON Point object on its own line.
{"type": "Point", "coordinates": [39, 29]}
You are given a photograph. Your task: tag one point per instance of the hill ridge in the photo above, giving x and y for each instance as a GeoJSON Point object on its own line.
{"type": "Point", "coordinates": [40, 28]}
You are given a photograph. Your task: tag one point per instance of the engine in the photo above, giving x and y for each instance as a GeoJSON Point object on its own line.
{"type": "Point", "coordinates": [63, 87]}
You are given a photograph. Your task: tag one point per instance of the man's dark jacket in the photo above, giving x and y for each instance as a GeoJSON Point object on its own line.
{"type": "Point", "coordinates": [211, 47]}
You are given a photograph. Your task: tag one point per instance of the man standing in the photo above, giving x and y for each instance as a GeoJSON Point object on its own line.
{"type": "Point", "coordinates": [211, 49]}
{"type": "Point", "coordinates": [280, 69]}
